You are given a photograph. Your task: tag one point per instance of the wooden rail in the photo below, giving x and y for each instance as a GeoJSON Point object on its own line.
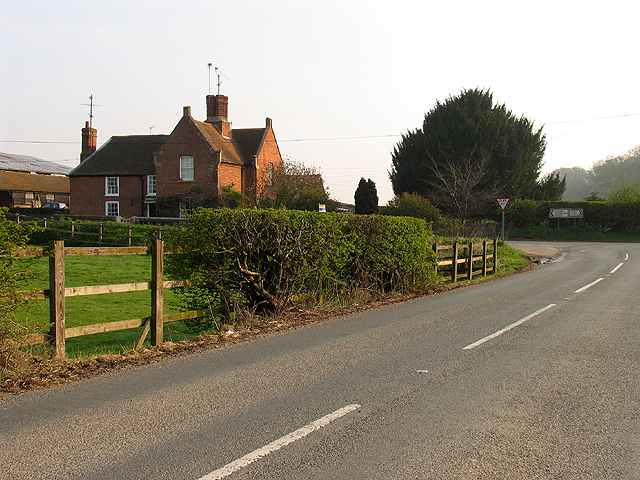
{"type": "Point", "coordinates": [475, 259]}
{"type": "Point", "coordinates": [57, 293]}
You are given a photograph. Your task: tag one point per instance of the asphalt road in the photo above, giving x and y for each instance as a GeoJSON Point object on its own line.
{"type": "Point", "coordinates": [531, 376]}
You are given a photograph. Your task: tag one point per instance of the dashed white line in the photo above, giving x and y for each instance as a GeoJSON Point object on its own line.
{"type": "Point", "coordinates": [617, 267]}
{"type": "Point", "coordinates": [506, 329]}
{"type": "Point", "coordinates": [278, 444]}
{"type": "Point", "coordinates": [589, 285]}
{"type": "Point", "coordinates": [626, 256]}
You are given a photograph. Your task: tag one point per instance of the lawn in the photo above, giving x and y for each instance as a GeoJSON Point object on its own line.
{"type": "Point", "coordinates": [92, 309]}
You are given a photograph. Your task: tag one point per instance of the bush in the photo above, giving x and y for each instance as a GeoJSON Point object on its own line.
{"type": "Point", "coordinates": [598, 217]}
{"type": "Point", "coordinates": [412, 205]}
{"type": "Point", "coordinates": [268, 260]}
{"type": "Point", "coordinates": [12, 282]}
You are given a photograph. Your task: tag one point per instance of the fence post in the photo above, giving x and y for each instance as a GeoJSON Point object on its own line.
{"type": "Point", "coordinates": [129, 236]}
{"type": "Point", "coordinates": [484, 258]}
{"type": "Point", "coordinates": [471, 260]}
{"type": "Point", "coordinates": [454, 273]}
{"type": "Point", "coordinates": [56, 297]}
{"type": "Point", "coordinates": [157, 293]}
{"type": "Point", "coordinates": [495, 255]}
{"type": "Point", "coordinates": [435, 250]}
{"type": "Point", "coordinates": [73, 229]}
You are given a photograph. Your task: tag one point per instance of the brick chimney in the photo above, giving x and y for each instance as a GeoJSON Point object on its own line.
{"type": "Point", "coordinates": [89, 141]}
{"type": "Point", "coordinates": [217, 108]}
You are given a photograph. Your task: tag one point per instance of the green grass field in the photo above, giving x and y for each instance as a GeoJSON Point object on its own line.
{"type": "Point", "coordinates": [92, 309]}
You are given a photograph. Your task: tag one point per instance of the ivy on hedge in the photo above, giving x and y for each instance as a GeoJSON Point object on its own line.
{"type": "Point", "coordinates": [267, 260]}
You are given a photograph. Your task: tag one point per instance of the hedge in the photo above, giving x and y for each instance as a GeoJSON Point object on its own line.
{"type": "Point", "coordinates": [604, 217]}
{"type": "Point", "coordinates": [268, 260]}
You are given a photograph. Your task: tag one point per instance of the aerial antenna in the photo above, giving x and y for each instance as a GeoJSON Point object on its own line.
{"type": "Point", "coordinates": [91, 105]}
{"type": "Point", "coordinates": [218, 73]}
{"type": "Point", "coordinates": [209, 65]}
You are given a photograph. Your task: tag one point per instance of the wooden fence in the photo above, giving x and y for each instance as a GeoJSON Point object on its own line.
{"type": "Point", "coordinates": [466, 260]}
{"type": "Point", "coordinates": [467, 255]}
{"type": "Point", "coordinates": [122, 233]}
{"type": "Point", "coordinates": [57, 293]}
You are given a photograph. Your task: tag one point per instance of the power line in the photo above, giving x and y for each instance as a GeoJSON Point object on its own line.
{"type": "Point", "coordinates": [35, 141]}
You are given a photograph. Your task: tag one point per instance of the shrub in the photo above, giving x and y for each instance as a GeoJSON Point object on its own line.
{"type": "Point", "coordinates": [268, 260]}
{"type": "Point", "coordinates": [12, 282]}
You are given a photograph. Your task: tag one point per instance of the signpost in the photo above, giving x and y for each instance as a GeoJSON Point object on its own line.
{"type": "Point", "coordinates": [503, 202]}
{"type": "Point", "coordinates": [566, 213]}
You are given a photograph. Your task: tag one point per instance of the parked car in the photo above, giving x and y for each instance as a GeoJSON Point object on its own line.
{"type": "Point", "coordinates": [54, 205]}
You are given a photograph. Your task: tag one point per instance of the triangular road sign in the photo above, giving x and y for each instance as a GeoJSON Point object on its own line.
{"type": "Point", "coordinates": [503, 202]}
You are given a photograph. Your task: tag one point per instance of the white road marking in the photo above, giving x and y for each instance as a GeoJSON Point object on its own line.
{"type": "Point", "coordinates": [278, 444]}
{"type": "Point", "coordinates": [617, 267]}
{"type": "Point", "coordinates": [506, 329]}
{"type": "Point", "coordinates": [582, 289]}
{"type": "Point", "coordinates": [626, 256]}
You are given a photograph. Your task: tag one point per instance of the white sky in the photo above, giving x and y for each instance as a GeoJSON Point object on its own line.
{"type": "Point", "coordinates": [360, 71]}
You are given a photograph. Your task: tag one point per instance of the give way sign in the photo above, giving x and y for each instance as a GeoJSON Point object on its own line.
{"type": "Point", "coordinates": [503, 202]}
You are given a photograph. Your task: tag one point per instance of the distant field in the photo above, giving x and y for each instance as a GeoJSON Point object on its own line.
{"type": "Point", "coordinates": [92, 309]}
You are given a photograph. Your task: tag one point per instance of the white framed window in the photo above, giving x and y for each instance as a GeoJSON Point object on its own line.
{"type": "Point", "coordinates": [112, 186]}
{"type": "Point", "coordinates": [50, 197]}
{"type": "Point", "coordinates": [186, 207]}
{"type": "Point", "coordinates": [151, 184]}
{"type": "Point", "coordinates": [112, 209]}
{"type": "Point", "coordinates": [186, 169]}
{"type": "Point", "coordinates": [28, 197]}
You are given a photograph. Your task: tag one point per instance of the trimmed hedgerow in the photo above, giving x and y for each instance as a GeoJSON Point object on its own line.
{"type": "Point", "coordinates": [268, 260]}
{"type": "Point", "coordinates": [599, 217]}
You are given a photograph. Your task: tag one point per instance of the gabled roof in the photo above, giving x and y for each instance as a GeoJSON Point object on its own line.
{"type": "Point", "coordinates": [33, 182]}
{"type": "Point", "coordinates": [122, 156]}
{"type": "Point", "coordinates": [24, 163]}
{"type": "Point", "coordinates": [241, 148]}
{"type": "Point", "coordinates": [249, 141]}
{"type": "Point", "coordinates": [219, 143]}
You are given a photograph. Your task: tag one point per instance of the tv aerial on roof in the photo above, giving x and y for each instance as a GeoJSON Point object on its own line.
{"type": "Point", "coordinates": [218, 73]}
{"type": "Point", "coordinates": [91, 105]}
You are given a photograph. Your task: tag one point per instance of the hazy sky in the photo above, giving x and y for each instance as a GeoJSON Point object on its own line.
{"type": "Point", "coordinates": [340, 79]}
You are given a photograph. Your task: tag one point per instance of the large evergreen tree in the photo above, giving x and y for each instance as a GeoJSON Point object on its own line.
{"type": "Point", "coordinates": [468, 151]}
{"type": "Point", "coordinates": [366, 197]}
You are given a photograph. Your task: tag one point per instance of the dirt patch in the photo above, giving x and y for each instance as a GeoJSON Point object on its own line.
{"type": "Point", "coordinates": [51, 372]}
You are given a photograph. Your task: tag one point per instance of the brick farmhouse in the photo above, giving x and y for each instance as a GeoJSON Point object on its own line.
{"type": "Point", "coordinates": [169, 175]}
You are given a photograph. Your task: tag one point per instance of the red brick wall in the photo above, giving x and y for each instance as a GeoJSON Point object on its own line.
{"type": "Point", "coordinates": [270, 153]}
{"type": "Point", "coordinates": [185, 140]}
{"type": "Point", "coordinates": [230, 174]}
{"type": "Point", "coordinates": [88, 196]}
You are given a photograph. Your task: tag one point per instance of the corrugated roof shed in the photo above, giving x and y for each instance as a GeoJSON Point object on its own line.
{"type": "Point", "coordinates": [31, 182]}
{"type": "Point", "coordinates": [23, 163]}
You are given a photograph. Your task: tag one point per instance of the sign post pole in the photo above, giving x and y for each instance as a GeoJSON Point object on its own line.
{"type": "Point", "coordinates": [503, 202]}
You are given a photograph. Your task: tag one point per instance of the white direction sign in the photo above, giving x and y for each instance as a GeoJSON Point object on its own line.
{"type": "Point", "coordinates": [503, 202]}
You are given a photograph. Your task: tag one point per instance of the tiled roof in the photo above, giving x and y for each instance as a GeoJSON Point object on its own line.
{"type": "Point", "coordinates": [248, 141]}
{"type": "Point", "coordinates": [33, 182]}
{"type": "Point", "coordinates": [23, 163]}
{"type": "Point", "coordinates": [122, 156]}
{"type": "Point", "coordinates": [225, 145]}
